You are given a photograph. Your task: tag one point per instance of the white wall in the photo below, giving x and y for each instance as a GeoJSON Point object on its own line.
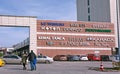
{"type": "Point", "coordinates": [8, 20]}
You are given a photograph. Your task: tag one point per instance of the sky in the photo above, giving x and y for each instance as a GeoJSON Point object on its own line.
{"type": "Point", "coordinates": [64, 10]}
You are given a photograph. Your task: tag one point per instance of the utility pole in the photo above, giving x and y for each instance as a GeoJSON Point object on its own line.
{"type": "Point", "coordinates": [118, 25]}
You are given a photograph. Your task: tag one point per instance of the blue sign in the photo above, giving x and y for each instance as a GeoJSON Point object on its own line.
{"type": "Point", "coordinates": [51, 24]}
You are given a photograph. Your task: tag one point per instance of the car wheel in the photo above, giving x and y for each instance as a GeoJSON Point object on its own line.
{"type": "Point", "coordinates": [47, 61]}
{"type": "Point", "coordinates": [21, 62]}
{"type": "Point", "coordinates": [5, 62]}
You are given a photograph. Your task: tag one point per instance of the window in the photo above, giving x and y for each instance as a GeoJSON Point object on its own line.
{"type": "Point", "coordinates": [6, 57]}
{"type": "Point", "coordinates": [88, 2]}
{"type": "Point", "coordinates": [88, 17]}
{"type": "Point", "coordinates": [14, 57]}
{"type": "Point", "coordinates": [44, 56]}
{"type": "Point", "coordinates": [39, 56]}
{"type": "Point", "coordinates": [88, 10]}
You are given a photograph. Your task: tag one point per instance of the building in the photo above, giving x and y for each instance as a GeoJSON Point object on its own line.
{"type": "Point", "coordinates": [29, 21]}
{"type": "Point", "coordinates": [49, 37]}
{"type": "Point", "coordinates": [3, 50]}
{"type": "Point", "coordinates": [100, 11]}
{"type": "Point", "coordinates": [97, 10]}
{"type": "Point", "coordinates": [9, 50]}
{"type": "Point", "coordinates": [70, 37]}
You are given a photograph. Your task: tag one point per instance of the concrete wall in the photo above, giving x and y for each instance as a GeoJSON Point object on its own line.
{"type": "Point", "coordinates": [99, 10]}
{"type": "Point", "coordinates": [29, 21]}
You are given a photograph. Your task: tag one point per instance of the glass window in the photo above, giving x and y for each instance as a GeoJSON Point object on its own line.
{"type": "Point", "coordinates": [5, 56]}
{"type": "Point", "coordinates": [88, 2]}
{"type": "Point", "coordinates": [88, 17]}
{"type": "Point", "coordinates": [88, 10]}
{"type": "Point", "coordinates": [39, 56]}
{"type": "Point", "coordinates": [44, 56]}
{"type": "Point", "coordinates": [15, 57]}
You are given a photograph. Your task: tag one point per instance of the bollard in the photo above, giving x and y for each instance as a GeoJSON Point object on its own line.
{"type": "Point", "coordinates": [101, 66]}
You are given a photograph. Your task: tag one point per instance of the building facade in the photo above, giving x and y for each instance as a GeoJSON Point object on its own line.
{"type": "Point", "coordinates": [24, 21]}
{"type": "Point", "coordinates": [100, 11]}
{"type": "Point", "coordinates": [49, 37]}
{"type": "Point", "coordinates": [78, 38]}
{"type": "Point", "coordinates": [97, 10]}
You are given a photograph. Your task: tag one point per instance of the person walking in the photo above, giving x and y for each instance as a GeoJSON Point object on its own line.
{"type": "Point", "coordinates": [34, 62]}
{"type": "Point", "coordinates": [24, 60]}
{"type": "Point", "coordinates": [31, 58]}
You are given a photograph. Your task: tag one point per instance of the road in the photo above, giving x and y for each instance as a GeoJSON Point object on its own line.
{"type": "Point", "coordinates": [58, 68]}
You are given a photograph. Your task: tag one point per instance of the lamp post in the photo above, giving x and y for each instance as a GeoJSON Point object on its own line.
{"type": "Point", "coordinates": [118, 23]}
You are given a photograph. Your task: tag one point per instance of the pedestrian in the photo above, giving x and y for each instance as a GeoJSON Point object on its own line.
{"type": "Point", "coordinates": [24, 60]}
{"type": "Point", "coordinates": [31, 58]}
{"type": "Point", "coordinates": [35, 61]}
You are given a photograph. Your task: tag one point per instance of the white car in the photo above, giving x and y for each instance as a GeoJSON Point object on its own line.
{"type": "Point", "coordinates": [44, 59]}
{"type": "Point", "coordinates": [12, 59]}
{"type": "Point", "coordinates": [84, 58]}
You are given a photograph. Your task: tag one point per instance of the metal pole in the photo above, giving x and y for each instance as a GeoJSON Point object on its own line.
{"type": "Point", "coordinates": [117, 9]}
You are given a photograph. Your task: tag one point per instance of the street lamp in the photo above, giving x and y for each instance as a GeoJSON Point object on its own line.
{"type": "Point", "coordinates": [118, 15]}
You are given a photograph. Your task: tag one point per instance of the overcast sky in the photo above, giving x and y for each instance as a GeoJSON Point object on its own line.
{"type": "Point", "coordinates": [44, 9]}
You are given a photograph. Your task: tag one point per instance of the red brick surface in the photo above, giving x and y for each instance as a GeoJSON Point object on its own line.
{"type": "Point", "coordinates": [53, 52]}
{"type": "Point", "coordinates": [80, 26]}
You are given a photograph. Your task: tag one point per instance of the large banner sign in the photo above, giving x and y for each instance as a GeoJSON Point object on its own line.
{"type": "Point", "coordinates": [75, 34]}
{"type": "Point", "coordinates": [75, 27]}
{"type": "Point", "coordinates": [75, 41]}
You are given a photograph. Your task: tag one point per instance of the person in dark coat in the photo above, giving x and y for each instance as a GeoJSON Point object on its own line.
{"type": "Point", "coordinates": [31, 58]}
{"type": "Point", "coordinates": [35, 61]}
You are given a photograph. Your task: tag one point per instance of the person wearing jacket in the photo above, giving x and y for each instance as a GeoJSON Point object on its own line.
{"type": "Point", "coordinates": [31, 58]}
{"type": "Point", "coordinates": [34, 62]}
{"type": "Point", "coordinates": [24, 60]}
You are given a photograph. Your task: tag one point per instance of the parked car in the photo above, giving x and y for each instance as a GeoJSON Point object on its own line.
{"type": "Point", "coordinates": [105, 58]}
{"type": "Point", "coordinates": [60, 58]}
{"type": "Point", "coordinates": [11, 59]}
{"type": "Point", "coordinates": [83, 58]}
{"type": "Point", "coordinates": [115, 58]}
{"type": "Point", "coordinates": [94, 57]}
{"type": "Point", "coordinates": [2, 63]}
{"type": "Point", "coordinates": [73, 58]}
{"type": "Point", "coordinates": [44, 59]}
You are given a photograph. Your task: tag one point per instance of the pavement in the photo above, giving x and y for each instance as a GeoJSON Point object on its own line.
{"type": "Point", "coordinates": [81, 67]}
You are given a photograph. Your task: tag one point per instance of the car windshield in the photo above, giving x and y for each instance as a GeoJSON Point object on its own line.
{"type": "Point", "coordinates": [14, 57]}
{"type": "Point", "coordinates": [41, 56]}
{"type": "Point", "coordinates": [96, 55]}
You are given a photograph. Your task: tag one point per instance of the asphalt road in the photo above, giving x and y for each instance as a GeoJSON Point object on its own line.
{"type": "Point", "coordinates": [58, 68]}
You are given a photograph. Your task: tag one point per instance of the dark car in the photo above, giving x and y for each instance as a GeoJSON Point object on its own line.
{"type": "Point", "coordinates": [104, 57]}
{"type": "Point", "coordinates": [60, 58]}
{"type": "Point", "coordinates": [73, 58]}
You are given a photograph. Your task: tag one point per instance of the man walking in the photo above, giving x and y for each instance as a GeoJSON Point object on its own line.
{"type": "Point", "coordinates": [31, 58]}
